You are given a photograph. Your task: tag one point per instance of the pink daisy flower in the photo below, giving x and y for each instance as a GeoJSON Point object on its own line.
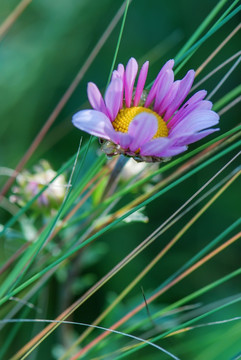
{"type": "Point", "coordinates": [147, 126]}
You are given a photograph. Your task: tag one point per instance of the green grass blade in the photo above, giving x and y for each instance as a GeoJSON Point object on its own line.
{"type": "Point", "coordinates": [227, 98]}
{"type": "Point", "coordinates": [119, 40]}
{"type": "Point", "coordinates": [33, 250]}
{"type": "Point", "coordinates": [108, 227]}
{"type": "Point", "coordinates": [208, 34]}
{"type": "Point", "coordinates": [187, 299]}
{"type": "Point", "coordinates": [201, 28]}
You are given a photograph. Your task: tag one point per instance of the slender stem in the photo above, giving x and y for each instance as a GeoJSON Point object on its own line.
{"type": "Point", "coordinates": [13, 17]}
{"type": "Point", "coordinates": [201, 28]}
{"type": "Point", "coordinates": [216, 51]}
{"type": "Point", "coordinates": [114, 176]}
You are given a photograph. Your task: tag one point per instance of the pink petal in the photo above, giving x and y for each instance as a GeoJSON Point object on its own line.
{"type": "Point", "coordinates": [124, 140]}
{"type": "Point", "coordinates": [141, 83]}
{"type": "Point", "coordinates": [191, 138]}
{"type": "Point", "coordinates": [151, 96]}
{"type": "Point", "coordinates": [121, 72]}
{"type": "Point", "coordinates": [154, 147]}
{"type": "Point", "coordinates": [113, 97]}
{"type": "Point", "coordinates": [169, 97]}
{"type": "Point", "coordinates": [196, 121]}
{"type": "Point", "coordinates": [172, 151]}
{"type": "Point", "coordinates": [198, 96]}
{"type": "Point", "coordinates": [95, 98]}
{"type": "Point", "coordinates": [184, 111]}
{"type": "Point", "coordinates": [164, 86]}
{"type": "Point", "coordinates": [142, 128]}
{"type": "Point", "coordinates": [184, 88]}
{"type": "Point", "coordinates": [93, 122]}
{"type": "Point", "coordinates": [130, 76]}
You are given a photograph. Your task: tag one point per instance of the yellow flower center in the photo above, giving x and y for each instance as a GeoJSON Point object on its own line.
{"type": "Point", "coordinates": [125, 116]}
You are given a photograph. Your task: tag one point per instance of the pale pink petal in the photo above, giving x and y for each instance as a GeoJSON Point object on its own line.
{"type": "Point", "coordinates": [184, 111]}
{"type": "Point", "coordinates": [151, 96]}
{"type": "Point", "coordinates": [183, 90]}
{"type": "Point", "coordinates": [142, 128]}
{"type": "Point", "coordinates": [130, 76]}
{"type": "Point", "coordinates": [164, 86]}
{"type": "Point", "coordinates": [196, 121]}
{"type": "Point", "coordinates": [191, 138]}
{"type": "Point", "coordinates": [154, 147]}
{"type": "Point", "coordinates": [113, 97]}
{"type": "Point", "coordinates": [141, 83]}
{"type": "Point", "coordinates": [124, 140]}
{"type": "Point", "coordinates": [121, 72]}
{"type": "Point", "coordinates": [198, 96]}
{"type": "Point", "coordinates": [93, 122]}
{"type": "Point", "coordinates": [115, 75]}
{"type": "Point", "coordinates": [112, 134]}
{"type": "Point", "coordinates": [172, 151]}
{"type": "Point", "coordinates": [95, 98]}
{"type": "Point", "coordinates": [169, 97]}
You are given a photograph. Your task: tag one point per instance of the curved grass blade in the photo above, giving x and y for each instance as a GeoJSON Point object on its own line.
{"type": "Point", "coordinates": [190, 322]}
{"type": "Point", "coordinates": [93, 237]}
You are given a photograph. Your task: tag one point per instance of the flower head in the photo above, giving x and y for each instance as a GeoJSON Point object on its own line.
{"type": "Point", "coordinates": [150, 126]}
{"type": "Point", "coordinates": [30, 183]}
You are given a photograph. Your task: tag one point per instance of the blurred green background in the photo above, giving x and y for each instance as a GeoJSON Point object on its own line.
{"type": "Point", "coordinates": [39, 57]}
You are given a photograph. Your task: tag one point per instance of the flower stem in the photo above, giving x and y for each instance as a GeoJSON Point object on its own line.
{"type": "Point", "coordinates": [114, 176]}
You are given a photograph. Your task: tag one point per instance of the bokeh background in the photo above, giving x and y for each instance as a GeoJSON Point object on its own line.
{"type": "Point", "coordinates": [39, 57]}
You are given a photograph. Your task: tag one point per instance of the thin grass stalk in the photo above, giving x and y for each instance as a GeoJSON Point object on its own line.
{"type": "Point", "coordinates": [5, 346]}
{"type": "Point", "coordinates": [230, 105]}
{"type": "Point", "coordinates": [149, 267]}
{"type": "Point", "coordinates": [126, 3]}
{"type": "Point", "coordinates": [12, 18]}
{"type": "Point", "coordinates": [190, 322]}
{"type": "Point", "coordinates": [154, 262]}
{"type": "Point", "coordinates": [227, 98]}
{"type": "Point", "coordinates": [179, 303]}
{"type": "Point", "coordinates": [221, 82]}
{"type": "Point", "coordinates": [213, 72]}
{"type": "Point", "coordinates": [219, 23]}
{"type": "Point", "coordinates": [219, 322]}
{"type": "Point", "coordinates": [201, 28]}
{"type": "Point", "coordinates": [216, 51]}
{"type": "Point", "coordinates": [93, 237]}
{"type": "Point", "coordinates": [188, 298]}
{"type": "Point", "coordinates": [79, 204]}
{"type": "Point", "coordinates": [7, 321]}
{"type": "Point", "coordinates": [214, 29]}
{"type": "Point", "coordinates": [189, 263]}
